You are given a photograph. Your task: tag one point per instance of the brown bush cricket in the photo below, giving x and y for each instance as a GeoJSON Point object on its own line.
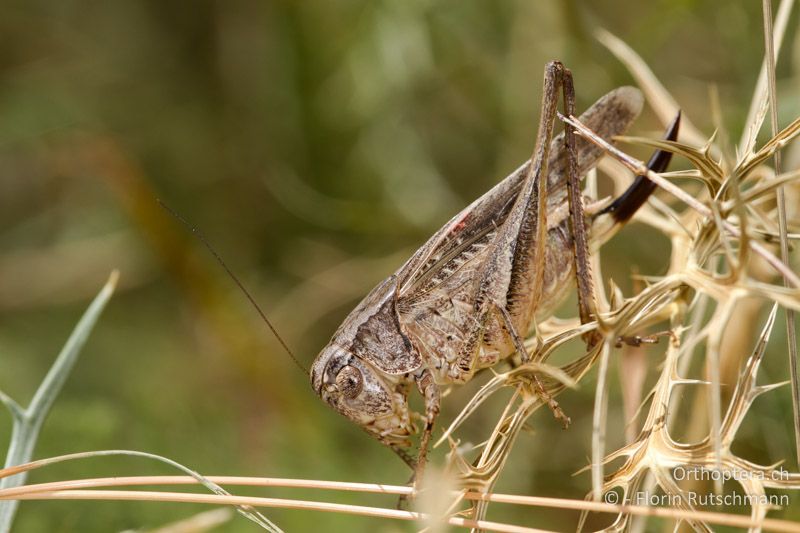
{"type": "Point", "coordinates": [467, 297]}
{"type": "Point", "coordinates": [465, 300]}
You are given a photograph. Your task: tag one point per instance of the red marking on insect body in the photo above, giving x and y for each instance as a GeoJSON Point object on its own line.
{"type": "Point", "coordinates": [461, 224]}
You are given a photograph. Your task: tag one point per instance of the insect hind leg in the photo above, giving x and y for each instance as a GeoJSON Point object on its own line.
{"type": "Point", "coordinates": [583, 270]}
{"type": "Point", "coordinates": [537, 384]}
{"type": "Point", "coordinates": [430, 391]}
{"type": "Point", "coordinates": [621, 209]}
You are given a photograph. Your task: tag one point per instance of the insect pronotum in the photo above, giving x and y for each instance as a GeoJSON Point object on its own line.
{"type": "Point", "coordinates": [465, 300]}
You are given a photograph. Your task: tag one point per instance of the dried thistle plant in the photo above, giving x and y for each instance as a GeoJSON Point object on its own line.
{"type": "Point", "coordinates": [722, 274]}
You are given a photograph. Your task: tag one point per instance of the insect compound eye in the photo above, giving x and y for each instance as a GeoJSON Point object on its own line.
{"type": "Point", "coordinates": [349, 381]}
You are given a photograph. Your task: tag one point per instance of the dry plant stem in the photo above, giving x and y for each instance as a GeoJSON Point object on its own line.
{"type": "Point", "coordinates": [791, 332]}
{"type": "Point", "coordinates": [534, 501]}
{"type": "Point", "coordinates": [248, 513]}
{"type": "Point", "coordinates": [201, 522]}
{"type": "Point", "coordinates": [250, 501]}
{"type": "Point", "coordinates": [639, 167]}
{"type": "Point", "coordinates": [721, 318]}
{"type": "Point", "coordinates": [599, 420]}
{"type": "Point", "coordinates": [755, 116]}
{"type": "Point", "coordinates": [127, 481]}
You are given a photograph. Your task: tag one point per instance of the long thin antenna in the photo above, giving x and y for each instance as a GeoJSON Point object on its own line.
{"type": "Point", "coordinates": [263, 315]}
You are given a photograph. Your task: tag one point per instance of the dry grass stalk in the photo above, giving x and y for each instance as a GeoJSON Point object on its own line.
{"type": "Point", "coordinates": [79, 490]}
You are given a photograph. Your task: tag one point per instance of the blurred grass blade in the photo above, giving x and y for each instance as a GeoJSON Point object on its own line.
{"type": "Point", "coordinates": [14, 408]}
{"type": "Point", "coordinates": [791, 334]}
{"type": "Point", "coordinates": [660, 99]}
{"type": "Point", "coordinates": [28, 422]}
{"type": "Point", "coordinates": [199, 523]}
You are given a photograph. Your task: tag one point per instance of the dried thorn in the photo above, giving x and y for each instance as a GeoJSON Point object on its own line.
{"type": "Point", "coordinates": [691, 382]}
{"type": "Point", "coordinates": [761, 389]}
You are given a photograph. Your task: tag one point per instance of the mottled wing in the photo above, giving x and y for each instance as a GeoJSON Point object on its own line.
{"type": "Point", "coordinates": [611, 115]}
{"type": "Point", "coordinates": [438, 316]}
{"type": "Point", "coordinates": [437, 287]}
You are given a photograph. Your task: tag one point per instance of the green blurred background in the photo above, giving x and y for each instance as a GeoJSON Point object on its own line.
{"type": "Point", "coordinates": [316, 144]}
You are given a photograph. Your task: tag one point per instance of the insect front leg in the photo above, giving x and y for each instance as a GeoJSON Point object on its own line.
{"type": "Point", "coordinates": [404, 455]}
{"type": "Point", "coordinates": [430, 392]}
